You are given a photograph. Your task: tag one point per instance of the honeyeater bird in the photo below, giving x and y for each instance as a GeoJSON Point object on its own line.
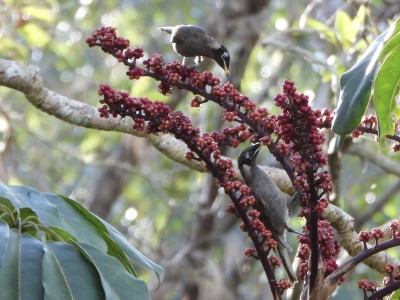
{"type": "Point", "coordinates": [270, 202]}
{"type": "Point", "coordinates": [193, 41]}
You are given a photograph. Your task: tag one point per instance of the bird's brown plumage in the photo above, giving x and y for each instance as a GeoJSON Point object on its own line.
{"type": "Point", "coordinates": [193, 41]}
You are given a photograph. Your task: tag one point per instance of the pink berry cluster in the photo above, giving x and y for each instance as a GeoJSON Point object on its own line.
{"type": "Point", "coordinates": [284, 284]}
{"type": "Point", "coordinates": [377, 234]}
{"type": "Point", "coordinates": [328, 246]}
{"type": "Point", "coordinates": [299, 130]}
{"type": "Point", "coordinates": [106, 38]}
{"type": "Point", "coordinates": [367, 285]}
{"type": "Point", "coordinates": [207, 86]}
{"type": "Point", "coordinates": [368, 122]}
{"type": "Point", "coordinates": [392, 275]}
{"type": "Point", "coordinates": [366, 236]}
{"type": "Point", "coordinates": [390, 283]}
{"type": "Point", "coordinates": [155, 117]}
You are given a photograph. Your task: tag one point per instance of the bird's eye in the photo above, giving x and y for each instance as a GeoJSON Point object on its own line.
{"type": "Point", "coordinates": [225, 54]}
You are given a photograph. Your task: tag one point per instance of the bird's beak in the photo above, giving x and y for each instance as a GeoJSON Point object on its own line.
{"type": "Point", "coordinates": [254, 151]}
{"type": "Point", "coordinates": [259, 147]}
{"type": "Point", "coordinates": [227, 73]}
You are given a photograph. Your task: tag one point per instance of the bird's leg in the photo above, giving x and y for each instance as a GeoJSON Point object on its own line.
{"type": "Point", "coordinates": [289, 229]}
{"type": "Point", "coordinates": [197, 62]}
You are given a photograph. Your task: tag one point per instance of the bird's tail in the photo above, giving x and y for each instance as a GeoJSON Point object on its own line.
{"type": "Point", "coordinates": [166, 29]}
{"type": "Point", "coordinates": [284, 255]}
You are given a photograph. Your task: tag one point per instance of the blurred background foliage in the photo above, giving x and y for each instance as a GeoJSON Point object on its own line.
{"type": "Point", "coordinates": [175, 216]}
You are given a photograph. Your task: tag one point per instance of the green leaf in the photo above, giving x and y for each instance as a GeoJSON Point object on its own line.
{"type": "Point", "coordinates": [39, 12]}
{"type": "Point", "coordinates": [116, 281]}
{"type": "Point", "coordinates": [324, 30]}
{"type": "Point", "coordinates": [7, 203]}
{"type": "Point", "coordinates": [28, 197]}
{"type": "Point", "coordinates": [76, 223]}
{"type": "Point", "coordinates": [112, 247]}
{"type": "Point", "coordinates": [356, 87]}
{"type": "Point", "coordinates": [118, 239]}
{"type": "Point", "coordinates": [21, 272]}
{"type": "Point", "coordinates": [9, 271]}
{"type": "Point", "coordinates": [7, 210]}
{"type": "Point", "coordinates": [68, 275]}
{"type": "Point", "coordinates": [4, 237]}
{"type": "Point", "coordinates": [58, 235]}
{"type": "Point", "coordinates": [25, 213]}
{"type": "Point", "coordinates": [6, 193]}
{"type": "Point", "coordinates": [393, 42]}
{"type": "Point", "coordinates": [122, 242]}
{"type": "Point", "coordinates": [362, 13]}
{"type": "Point", "coordinates": [30, 268]}
{"type": "Point", "coordinates": [386, 87]}
{"type": "Point", "coordinates": [347, 33]}
{"type": "Point", "coordinates": [35, 35]}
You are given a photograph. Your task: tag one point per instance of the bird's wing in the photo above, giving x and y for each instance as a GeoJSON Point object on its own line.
{"type": "Point", "coordinates": [270, 202]}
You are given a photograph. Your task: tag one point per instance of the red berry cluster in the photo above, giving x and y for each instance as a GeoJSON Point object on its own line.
{"type": "Point", "coordinates": [367, 285]}
{"type": "Point", "coordinates": [155, 117]}
{"type": "Point", "coordinates": [274, 261]}
{"type": "Point", "coordinates": [303, 253]}
{"type": "Point", "coordinates": [299, 130]}
{"type": "Point", "coordinates": [155, 63]}
{"type": "Point", "coordinates": [394, 226]}
{"type": "Point", "coordinates": [392, 274]}
{"type": "Point", "coordinates": [369, 122]}
{"type": "Point", "coordinates": [366, 236]}
{"type": "Point", "coordinates": [249, 252]}
{"type": "Point", "coordinates": [329, 247]}
{"type": "Point", "coordinates": [107, 39]}
{"type": "Point", "coordinates": [284, 284]}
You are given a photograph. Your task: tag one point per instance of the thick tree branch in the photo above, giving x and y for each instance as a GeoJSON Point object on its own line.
{"type": "Point", "coordinates": [27, 80]}
{"type": "Point", "coordinates": [366, 152]}
{"type": "Point", "coordinates": [344, 224]}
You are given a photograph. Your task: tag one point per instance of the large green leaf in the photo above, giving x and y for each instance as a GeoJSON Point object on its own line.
{"type": "Point", "coordinates": [386, 88]}
{"type": "Point", "coordinates": [23, 196]}
{"type": "Point", "coordinates": [5, 192]}
{"type": "Point", "coordinates": [4, 237]}
{"type": "Point", "coordinates": [30, 268]}
{"type": "Point", "coordinates": [112, 247]}
{"type": "Point", "coordinates": [68, 275]}
{"type": "Point", "coordinates": [356, 87]}
{"type": "Point", "coordinates": [21, 271]}
{"type": "Point", "coordinates": [116, 281]}
{"type": "Point", "coordinates": [60, 268]}
{"type": "Point", "coordinates": [122, 242]}
{"type": "Point", "coordinates": [118, 239]}
{"type": "Point", "coordinates": [76, 223]}
{"type": "Point", "coordinates": [9, 271]}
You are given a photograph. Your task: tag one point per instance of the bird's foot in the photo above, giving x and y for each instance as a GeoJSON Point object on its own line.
{"type": "Point", "coordinates": [289, 229]}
